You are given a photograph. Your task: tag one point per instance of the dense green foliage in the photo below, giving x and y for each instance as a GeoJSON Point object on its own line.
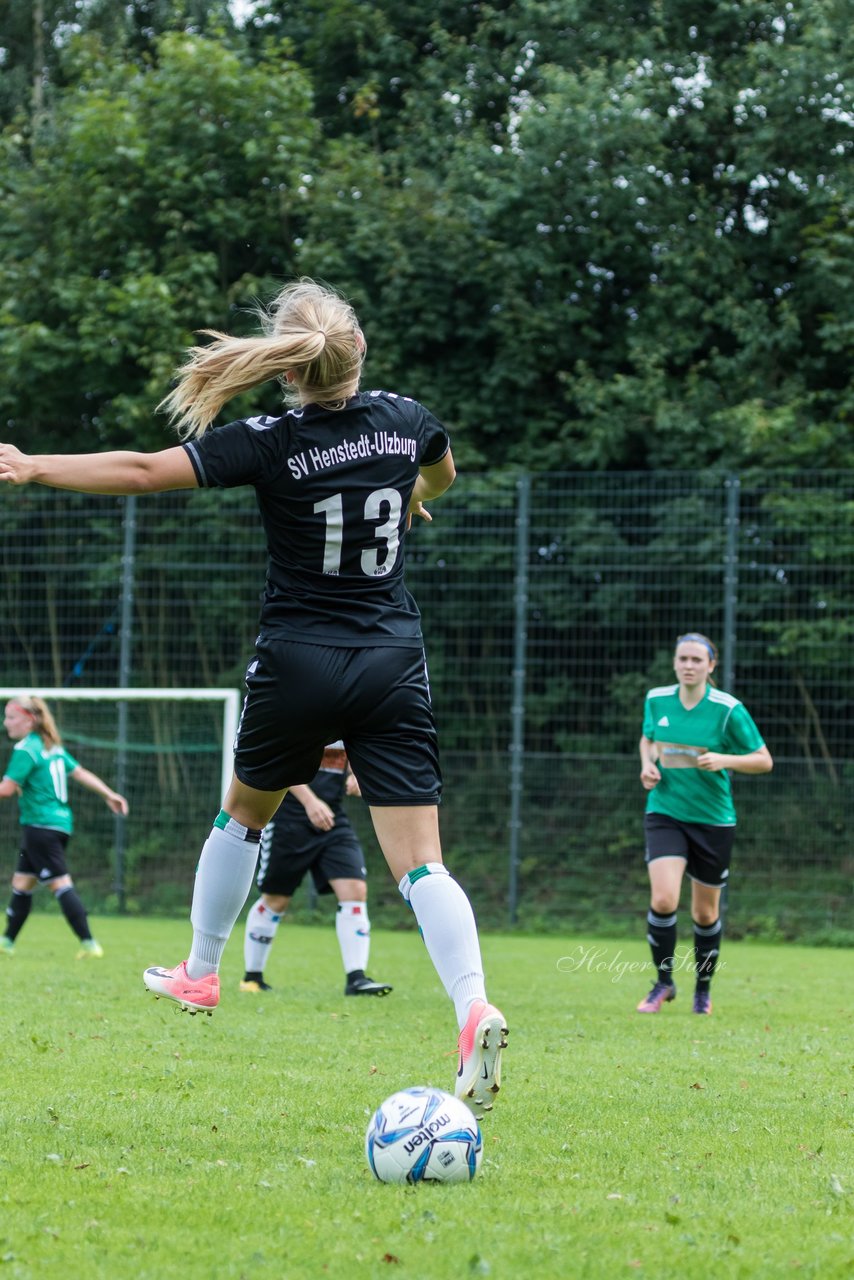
{"type": "Point", "coordinates": [587, 239]}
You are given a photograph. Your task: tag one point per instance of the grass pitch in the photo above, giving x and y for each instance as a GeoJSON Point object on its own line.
{"type": "Point", "coordinates": [140, 1142]}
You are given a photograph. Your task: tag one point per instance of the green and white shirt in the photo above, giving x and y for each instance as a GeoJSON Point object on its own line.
{"type": "Point", "coordinates": [717, 723]}
{"type": "Point", "coordinates": [42, 774]}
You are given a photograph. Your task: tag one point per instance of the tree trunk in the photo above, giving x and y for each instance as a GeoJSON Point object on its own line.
{"type": "Point", "coordinates": [38, 61]}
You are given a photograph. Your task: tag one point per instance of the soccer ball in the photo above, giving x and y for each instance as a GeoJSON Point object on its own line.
{"type": "Point", "coordinates": [423, 1135]}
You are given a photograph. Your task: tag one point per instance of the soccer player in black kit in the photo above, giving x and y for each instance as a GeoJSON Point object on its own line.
{"type": "Point", "coordinates": [311, 833]}
{"type": "Point", "coordinates": [337, 478]}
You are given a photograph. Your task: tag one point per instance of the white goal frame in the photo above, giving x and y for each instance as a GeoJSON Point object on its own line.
{"type": "Point", "coordinates": [230, 699]}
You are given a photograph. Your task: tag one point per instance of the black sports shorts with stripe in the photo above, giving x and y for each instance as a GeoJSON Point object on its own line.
{"type": "Point", "coordinates": [288, 855]}
{"type": "Point", "coordinates": [42, 853]}
{"type": "Point", "coordinates": [707, 849]}
{"type": "Point", "coordinates": [377, 699]}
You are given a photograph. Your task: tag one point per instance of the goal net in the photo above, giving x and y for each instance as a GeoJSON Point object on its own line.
{"type": "Point", "coordinates": [169, 751]}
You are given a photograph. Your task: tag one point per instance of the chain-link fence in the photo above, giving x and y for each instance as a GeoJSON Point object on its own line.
{"type": "Point", "coordinates": [550, 604]}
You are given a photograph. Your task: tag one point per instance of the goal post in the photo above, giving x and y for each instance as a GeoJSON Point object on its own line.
{"type": "Point", "coordinates": [229, 698]}
{"type": "Point", "coordinates": [171, 752]}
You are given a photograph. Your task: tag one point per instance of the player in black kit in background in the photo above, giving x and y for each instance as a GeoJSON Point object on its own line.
{"type": "Point", "coordinates": [337, 478]}
{"type": "Point", "coordinates": [312, 833]}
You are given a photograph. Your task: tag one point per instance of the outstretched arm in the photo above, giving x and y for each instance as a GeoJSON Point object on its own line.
{"type": "Point", "coordinates": [92, 782]}
{"type": "Point", "coordinates": [117, 472]}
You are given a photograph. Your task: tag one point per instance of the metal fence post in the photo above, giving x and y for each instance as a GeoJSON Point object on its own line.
{"type": "Point", "coordinates": [517, 706]}
{"type": "Point", "coordinates": [125, 651]}
{"type": "Point", "coordinates": [732, 485]}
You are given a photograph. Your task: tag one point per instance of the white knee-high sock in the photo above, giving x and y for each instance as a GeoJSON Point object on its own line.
{"type": "Point", "coordinates": [449, 931]}
{"type": "Point", "coordinates": [354, 935]}
{"type": "Point", "coordinates": [261, 926]}
{"type": "Point", "coordinates": [223, 880]}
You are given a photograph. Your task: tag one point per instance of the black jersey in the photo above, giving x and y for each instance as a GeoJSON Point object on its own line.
{"type": "Point", "coordinates": [333, 488]}
{"type": "Point", "coordinates": [328, 784]}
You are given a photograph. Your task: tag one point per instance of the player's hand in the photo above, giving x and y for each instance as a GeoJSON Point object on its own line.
{"type": "Point", "coordinates": [417, 509]}
{"type": "Point", "coordinates": [320, 815]}
{"type": "Point", "coordinates": [711, 761]}
{"type": "Point", "coordinates": [650, 776]}
{"type": "Point", "coordinates": [15, 467]}
{"type": "Point", "coordinates": [117, 803]}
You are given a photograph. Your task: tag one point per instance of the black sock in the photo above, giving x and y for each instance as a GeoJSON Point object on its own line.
{"type": "Point", "coordinates": [17, 912]}
{"type": "Point", "coordinates": [354, 974]}
{"type": "Point", "coordinates": [661, 937]}
{"type": "Point", "coordinates": [74, 912]}
{"type": "Point", "coordinates": [707, 945]}
{"type": "Point", "coordinates": [253, 975]}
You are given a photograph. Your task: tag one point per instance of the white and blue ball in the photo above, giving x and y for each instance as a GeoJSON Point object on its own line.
{"type": "Point", "coordinates": [423, 1135]}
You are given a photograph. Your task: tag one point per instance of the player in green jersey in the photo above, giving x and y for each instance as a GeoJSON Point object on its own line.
{"type": "Point", "coordinates": [37, 775]}
{"type": "Point", "coordinates": [693, 733]}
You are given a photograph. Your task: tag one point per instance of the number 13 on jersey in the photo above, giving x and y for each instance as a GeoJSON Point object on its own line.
{"type": "Point", "coordinates": [380, 503]}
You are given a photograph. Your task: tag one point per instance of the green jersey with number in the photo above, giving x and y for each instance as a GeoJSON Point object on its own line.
{"type": "Point", "coordinates": [42, 774]}
{"type": "Point", "coordinates": [719, 722]}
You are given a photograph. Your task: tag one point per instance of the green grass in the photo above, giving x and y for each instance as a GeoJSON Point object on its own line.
{"type": "Point", "coordinates": [140, 1142]}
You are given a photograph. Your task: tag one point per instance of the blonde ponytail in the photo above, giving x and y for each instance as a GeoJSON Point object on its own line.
{"type": "Point", "coordinates": [43, 722]}
{"type": "Point", "coordinates": [310, 333]}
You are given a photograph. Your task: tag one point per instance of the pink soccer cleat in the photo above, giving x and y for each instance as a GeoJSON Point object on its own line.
{"type": "Point", "coordinates": [480, 1043]}
{"type": "Point", "coordinates": [661, 993]}
{"type": "Point", "coordinates": [196, 995]}
{"type": "Point", "coordinates": [702, 1002]}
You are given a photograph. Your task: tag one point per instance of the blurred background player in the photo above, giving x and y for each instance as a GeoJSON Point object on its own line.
{"type": "Point", "coordinates": [37, 775]}
{"type": "Point", "coordinates": [311, 832]}
{"type": "Point", "coordinates": [692, 734]}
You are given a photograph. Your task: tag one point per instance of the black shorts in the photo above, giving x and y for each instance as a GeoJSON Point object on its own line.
{"type": "Point", "coordinates": [42, 853]}
{"type": "Point", "coordinates": [706, 849]}
{"type": "Point", "coordinates": [303, 696]}
{"type": "Point", "coordinates": [289, 852]}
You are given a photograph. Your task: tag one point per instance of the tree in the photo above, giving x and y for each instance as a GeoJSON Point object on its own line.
{"type": "Point", "coordinates": [156, 200]}
{"type": "Point", "coordinates": [590, 239]}
{"type": "Point", "coordinates": [367, 60]}
{"type": "Point", "coordinates": [37, 33]}
{"type": "Point", "coordinates": [619, 258]}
